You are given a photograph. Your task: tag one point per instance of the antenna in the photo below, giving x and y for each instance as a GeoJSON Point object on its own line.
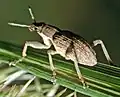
{"type": "Point", "coordinates": [31, 13]}
{"type": "Point", "coordinates": [22, 25]}
{"type": "Point", "coordinates": [19, 25]}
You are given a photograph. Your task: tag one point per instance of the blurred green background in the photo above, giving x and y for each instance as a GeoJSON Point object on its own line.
{"type": "Point", "coordinates": [92, 19]}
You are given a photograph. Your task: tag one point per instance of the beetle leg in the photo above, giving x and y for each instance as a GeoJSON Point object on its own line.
{"type": "Point", "coordinates": [71, 54]}
{"type": "Point", "coordinates": [96, 42]}
{"type": "Point", "coordinates": [50, 53]}
{"type": "Point", "coordinates": [33, 44]}
{"type": "Point", "coordinates": [79, 74]}
{"type": "Point", "coordinates": [78, 70]}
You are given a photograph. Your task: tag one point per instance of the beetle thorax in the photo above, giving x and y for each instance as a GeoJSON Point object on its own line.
{"type": "Point", "coordinates": [48, 31]}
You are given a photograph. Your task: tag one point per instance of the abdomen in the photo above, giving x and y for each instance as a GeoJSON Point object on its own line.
{"type": "Point", "coordinates": [85, 54]}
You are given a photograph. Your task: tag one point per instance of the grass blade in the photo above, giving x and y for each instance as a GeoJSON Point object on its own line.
{"type": "Point", "coordinates": [103, 79]}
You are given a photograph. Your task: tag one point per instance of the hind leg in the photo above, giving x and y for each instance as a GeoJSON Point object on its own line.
{"type": "Point", "coordinates": [96, 42]}
{"type": "Point", "coordinates": [80, 76]}
{"type": "Point", "coordinates": [71, 56]}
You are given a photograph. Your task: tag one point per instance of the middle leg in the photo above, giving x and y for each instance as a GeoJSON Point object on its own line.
{"type": "Point", "coordinates": [50, 53]}
{"type": "Point", "coordinates": [80, 76]}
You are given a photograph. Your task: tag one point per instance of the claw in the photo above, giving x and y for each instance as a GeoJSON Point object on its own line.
{"type": "Point", "coordinates": [53, 80]}
{"type": "Point", "coordinates": [53, 77]}
{"type": "Point", "coordinates": [16, 61]}
{"type": "Point", "coordinates": [84, 83]}
{"type": "Point", "coordinates": [12, 63]}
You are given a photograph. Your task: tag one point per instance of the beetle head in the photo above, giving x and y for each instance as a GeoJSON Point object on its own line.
{"type": "Point", "coordinates": [36, 26]}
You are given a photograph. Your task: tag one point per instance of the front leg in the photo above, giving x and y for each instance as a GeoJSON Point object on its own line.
{"type": "Point", "coordinates": [33, 44]}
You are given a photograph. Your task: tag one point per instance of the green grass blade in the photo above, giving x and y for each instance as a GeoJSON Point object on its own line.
{"type": "Point", "coordinates": [103, 79]}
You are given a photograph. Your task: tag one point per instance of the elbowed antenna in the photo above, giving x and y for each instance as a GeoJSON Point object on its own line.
{"type": "Point", "coordinates": [19, 25]}
{"type": "Point", "coordinates": [22, 25]}
{"type": "Point", "coordinates": [31, 13]}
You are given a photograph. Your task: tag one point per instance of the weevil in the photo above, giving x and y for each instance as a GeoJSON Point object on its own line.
{"type": "Point", "coordinates": [65, 43]}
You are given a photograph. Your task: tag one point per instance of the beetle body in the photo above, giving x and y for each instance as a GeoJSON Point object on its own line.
{"type": "Point", "coordinates": [66, 43]}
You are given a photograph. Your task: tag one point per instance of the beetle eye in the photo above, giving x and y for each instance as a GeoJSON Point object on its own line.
{"type": "Point", "coordinates": [32, 28]}
{"type": "Point", "coordinates": [35, 28]}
